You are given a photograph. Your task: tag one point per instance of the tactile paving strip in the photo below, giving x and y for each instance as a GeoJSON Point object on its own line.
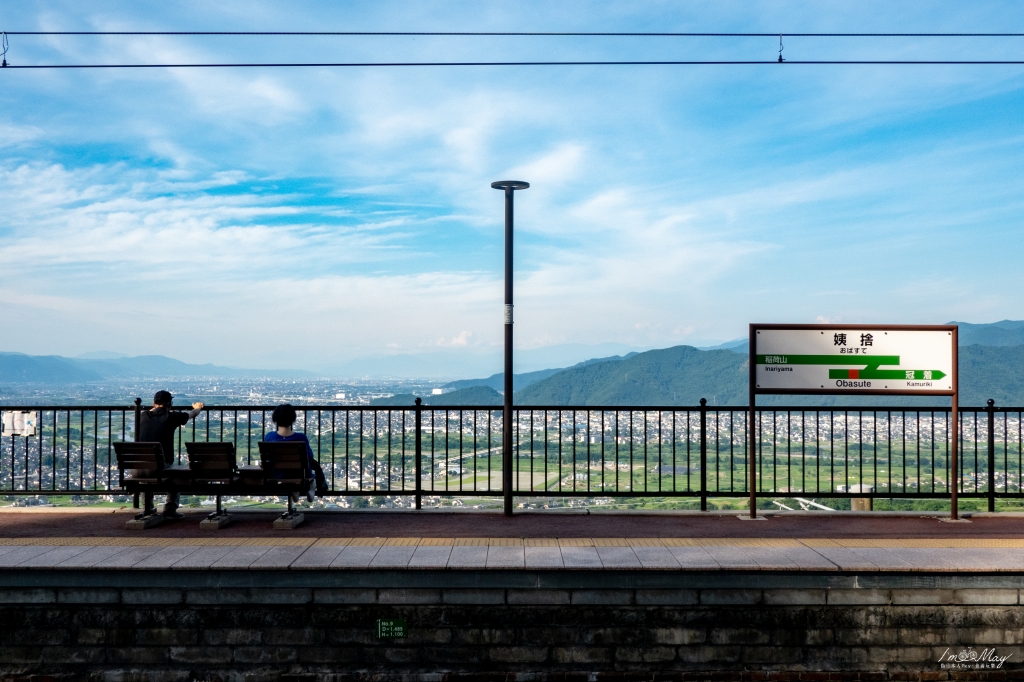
{"type": "Point", "coordinates": [880, 543]}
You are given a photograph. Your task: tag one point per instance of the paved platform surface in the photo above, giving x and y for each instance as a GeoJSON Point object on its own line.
{"type": "Point", "coordinates": [85, 522]}
{"type": "Point", "coordinates": [928, 555]}
{"type": "Point", "coordinates": [97, 539]}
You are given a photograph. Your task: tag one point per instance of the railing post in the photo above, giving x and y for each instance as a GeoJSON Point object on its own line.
{"type": "Point", "coordinates": [991, 455]}
{"type": "Point", "coordinates": [703, 454]}
{"type": "Point", "coordinates": [138, 418]}
{"type": "Point", "coordinates": [135, 437]}
{"type": "Point", "coordinates": [419, 452]}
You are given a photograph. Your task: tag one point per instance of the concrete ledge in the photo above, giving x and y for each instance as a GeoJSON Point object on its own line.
{"type": "Point", "coordinates": [400, 596]}
{"type": "Point", "coordinates": [609, 597]}
{"type": "Point", "coordinates": [28, 596]}
{"type": "Point", "coordinates": [666, 597]}
{"type": "Point", "coordinates": [923, 596]}
{"type": "Point", "coordinates": [344, 596]}
{"type": "Point", "coordinates": [654, 582]}
{"type": "Point", "coordinates": [730, 597]}
{"type": "Point", "coordinates": [546, 597]}
{"type": "Point", "coordinates": [472, 596]}
{"type": "Point", "coordinates": [858, 597]}
{"type": "Point", "coordinates": [132, 595]}
{"type": "Point", "coordinates": [103, 595]}
{"type": "Point", "coordinates": [283, 595]}
{"type": "Point", "coordinates": [996, 596]}
{"type": "Point", "coordinates": [794, 597]}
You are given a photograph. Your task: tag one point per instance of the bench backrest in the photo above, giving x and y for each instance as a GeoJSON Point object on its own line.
{"type": "Point", "coordinates": [284, 461]}
{"type": "Point", "coordinates": [140, 461]}
{"type": "Point", "coordinates": [212, 461]}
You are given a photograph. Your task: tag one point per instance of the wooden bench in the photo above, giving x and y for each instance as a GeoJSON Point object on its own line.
{"type": "Point", "coordinates": [285, 464]}
{"type": "Point", "coordinates": [142, 469]}
{"type": "Point", "coordinates": [213, 464]}
{"type": "Point", "coordinates": [213, 470]}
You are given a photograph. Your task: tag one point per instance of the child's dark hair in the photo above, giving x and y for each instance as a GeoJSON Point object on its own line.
{"type": "Point", "coordinates": [284, 415]}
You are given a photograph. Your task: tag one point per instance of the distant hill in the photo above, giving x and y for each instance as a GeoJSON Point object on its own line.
{"type": "Point", "coordinates": [521, 381]}
{"type": "Point", "coordinates": [48, 369]}
{"type": "Point", "coordinates": [1004, 333]}
{"type": "Point", "coordinates": [672, 376]}
{"type": "Point", "coordinates": [51, 369]}
{"type": "Point", "coordinates": [497, 381]}
{"type": "Point", "coordinates": [474, 395]}
{"type": "Point", "coordinates": [995, 372]}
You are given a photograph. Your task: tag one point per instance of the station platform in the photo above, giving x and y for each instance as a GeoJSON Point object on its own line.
{"type": "Point", "coordinates": [58, 539]}
{"type": "Point", "coordinates": [963, 555]}
{"type": "Point", "coordinates": [543, 597]}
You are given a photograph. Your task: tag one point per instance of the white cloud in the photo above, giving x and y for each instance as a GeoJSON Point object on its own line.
{"type": "Point", "coordinates": [12, 134]}
{"type": "Point", "coordinates": [553, 169]}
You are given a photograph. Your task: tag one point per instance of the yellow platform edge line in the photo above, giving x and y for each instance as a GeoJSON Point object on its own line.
{"type": "Point", "coordinates": [540, 542]}
{"type": "Point", "coordinates": [436, 542]}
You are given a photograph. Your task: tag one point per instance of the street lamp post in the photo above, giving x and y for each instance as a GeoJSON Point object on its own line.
{"type": "Point", "coordinates": [509, 186]}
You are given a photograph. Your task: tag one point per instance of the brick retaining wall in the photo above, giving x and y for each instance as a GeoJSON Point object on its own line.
{"type": "Point", "coordinates": [161, 627]}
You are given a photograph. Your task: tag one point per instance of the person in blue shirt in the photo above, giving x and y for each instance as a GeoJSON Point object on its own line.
{"type": "Point", "coordinates": [284, 416]}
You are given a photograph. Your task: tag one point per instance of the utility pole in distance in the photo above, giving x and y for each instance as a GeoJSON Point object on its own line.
{"type": "Point", "coordinates": [509, 186]}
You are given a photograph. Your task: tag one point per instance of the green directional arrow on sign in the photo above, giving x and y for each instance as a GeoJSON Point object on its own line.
{"type": "Point", "coordinates": [875, 373]}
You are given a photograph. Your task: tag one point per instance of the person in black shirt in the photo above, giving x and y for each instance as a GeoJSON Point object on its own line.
{"type": "Point", "coordinates": [158, 426]}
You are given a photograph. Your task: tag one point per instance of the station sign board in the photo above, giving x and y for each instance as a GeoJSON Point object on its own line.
{"type": "Point", "coordinates": [840, 359]}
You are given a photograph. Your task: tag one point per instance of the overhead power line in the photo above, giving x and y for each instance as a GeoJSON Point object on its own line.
{"type": "Point", "coordinates": [908, 62]}
{"type": "Point", "coordinates": [624, 34]}
{"type": "Point", "coordinates": [696, 62]}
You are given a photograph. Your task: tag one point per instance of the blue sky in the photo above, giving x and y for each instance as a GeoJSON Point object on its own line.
{"type": "Point", "coordinates": [320, 218]}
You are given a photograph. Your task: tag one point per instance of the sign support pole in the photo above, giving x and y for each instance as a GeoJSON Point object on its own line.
{"type": "Point", "coordinates": [750, 427]}
{"type": "Point", "coordinates": [954, 434]}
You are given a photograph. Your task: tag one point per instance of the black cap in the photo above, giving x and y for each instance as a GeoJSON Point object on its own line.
{"type": "Point", "coordinates": [162, 398]}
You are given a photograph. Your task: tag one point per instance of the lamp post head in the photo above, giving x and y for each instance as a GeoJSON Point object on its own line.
{"type": "Point", "coordinates": [510, 184]}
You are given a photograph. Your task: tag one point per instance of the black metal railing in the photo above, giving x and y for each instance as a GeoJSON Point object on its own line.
{"type": "Point", "coordinates": [583, 452]}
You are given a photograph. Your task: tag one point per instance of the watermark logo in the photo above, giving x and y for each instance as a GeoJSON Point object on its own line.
{"type": "Point", "coordinates": [970, 659]}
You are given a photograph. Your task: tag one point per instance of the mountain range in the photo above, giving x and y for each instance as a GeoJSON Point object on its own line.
{"type": "Point", "coordinates": [991, 366]}
{"type": "Point", "coordinates": [51, 369]}
{"type": "Point", "coordinates": [683, 375]}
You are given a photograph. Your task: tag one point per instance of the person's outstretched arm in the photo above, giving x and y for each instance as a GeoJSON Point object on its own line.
{"type": "Point", "coordinates": [196, 409]}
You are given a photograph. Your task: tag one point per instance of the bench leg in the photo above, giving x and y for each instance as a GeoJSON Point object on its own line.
{"type": "Point", "coordinates": [216, 520]}
{"type": "Point", "coordinates": [290, 519]}
{"type": "Point", "coordinates": [148, 509]}
{"type": "Point", "coordinates": [148, 518]}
